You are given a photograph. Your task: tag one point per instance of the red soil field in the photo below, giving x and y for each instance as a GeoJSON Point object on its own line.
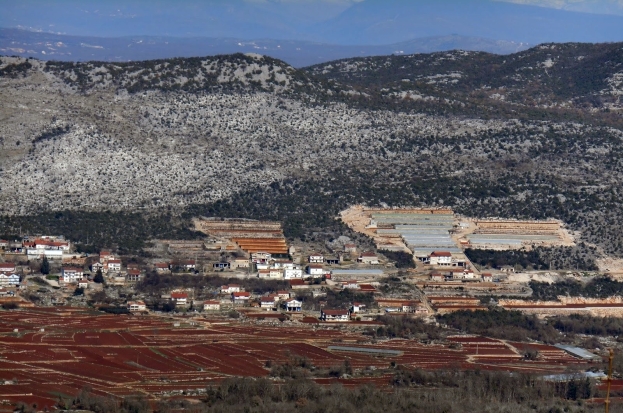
{"type": "Point", "coordinates": [119, 355]}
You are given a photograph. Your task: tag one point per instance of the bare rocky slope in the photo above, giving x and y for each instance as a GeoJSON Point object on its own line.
{"type": "Point", "coordinates": [246, 135]}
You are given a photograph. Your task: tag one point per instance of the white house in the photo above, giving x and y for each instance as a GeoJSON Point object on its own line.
{"type": "Point", "coordinates": [9, 279]}
{"type": "Point", "coordinates": [283, 264]}
{"type": "Point", "coordinates": [293, 305]}
{"type": "Point", "coordinates": [162, 267]}
{"type": "Point", "coordinates": [315, 270]}
{"type": "Point", "coordinates": [272, 273]}
{"type": "Point", "coordinates": [71, 275]}
{"type": "Point", "coordinates": [68, 278]}
{"type": "Point", "coordinates": [230, 288]}
{"type": "Point", "coordinates": [4, 244]}
{"type": "Point", "coordinates": [133, 275]}
{"type": "Point", "coordinates": [34, 253]}
{"type": "Point", "coordinates": [334, 315]}
{"type": "Point", "coordinates": [7, 267]}
{"type": "Point", "coordinates": [290, 273]}
{"type": "Point", "coordinates": [84, 284]}
{"type": "Point", "coordinates": [316, 258]}
{"type": "Point", "coordinates": [441, 258]}
{"type": "Point", "coordinates": [352, 284]}
{"type": "Point", "coordinates": [368, 257]}
{"type": "Point", "coordinates": [260, 257]}
{"type": "Point", "coordinates": [357, 307]}
{"type": "Point", "coordinates": [268, 302]}
{"type": "Point", "coordinates": [350, 248]}
{"type": "Point", "coordinates": [180, 299]}
{"type": "Point", "coordinates": [114, 265]}
{"type": "Point", "coordinates": [188, 265]}
{"type": "Point", "coordinates": [283, 295]}
{"type": "Point", "coordinates": [240, 297]}
{"type": "Point", "coordinates": [487, 277]}
{"type": "Point", "coordinates": [97, 266]}
{"type": "Point", "coordinates": [240, 263]}
{"type": "Point", "coordinates": [468, 274]}
{"type": "Point", "coordinates": [106, 255]}
{"type": "Point", "coordinates": [211, 305]}
{"type": "Point", "coordinates": [136, 306]}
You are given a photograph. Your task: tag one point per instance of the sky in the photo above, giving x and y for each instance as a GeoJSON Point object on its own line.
{"type": "Point", "coordinates": [342, 22]}
{"type": "Point", "coordinates": [586, 6]}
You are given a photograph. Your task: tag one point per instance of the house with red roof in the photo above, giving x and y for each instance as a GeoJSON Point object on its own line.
{"type": "Point", "coordinates": [7, 267]}
{"type": "Point", "coordinates": [440, 258]}
{"type": "Point", "coordinates": [230, 288]}
{"type": "Point", "coordinates": [368, 257]}
{"type": "Point", "coordinates": [134, 306]}
{"type": "Point", "coordinates": [297, 283]}
{"type": "Point", "coordinates": [334, 315]}
{"type": "Point", "coordinates": [269, 302]}
{"type": "Point", "coordinates": [180, 299]}
{"type": "Point", "coordinates": [112, 266]}
{"type": "Point", "coordinates": [240, 297]}
{"type": "Point", "coordinates": [162, 267]}
{"type": "Point", "coordinates": [133, 275]}
{"type": "Point", "coordinates": [71, 274]}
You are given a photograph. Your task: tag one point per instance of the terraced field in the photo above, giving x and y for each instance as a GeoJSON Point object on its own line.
{"type": "Point", "coordinates": [47, 352]}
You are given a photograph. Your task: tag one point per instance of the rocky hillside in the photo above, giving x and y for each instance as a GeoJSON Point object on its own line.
{"type": "Point", "coordinates": [245, 135]}
{"type": "Point", "coordinates": [571, 75]}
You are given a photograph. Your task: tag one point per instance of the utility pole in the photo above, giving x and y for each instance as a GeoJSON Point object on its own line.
{"type": "Point", "coordinates": [609, 379]}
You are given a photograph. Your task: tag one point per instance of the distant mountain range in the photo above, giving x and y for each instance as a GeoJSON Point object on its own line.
{"type": "Point", "coordinates": [49, 46]}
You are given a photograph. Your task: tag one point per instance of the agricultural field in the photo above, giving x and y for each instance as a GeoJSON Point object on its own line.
{"type": "Point", "coordinates": [50, 354]}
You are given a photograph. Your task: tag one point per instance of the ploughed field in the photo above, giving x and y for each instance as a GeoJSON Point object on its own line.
{"type": "Point", "coordinates": [50, 352]}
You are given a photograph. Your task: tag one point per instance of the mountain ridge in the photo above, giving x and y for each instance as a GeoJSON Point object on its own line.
{"type": "Point", "coordinates": [250, 136]}
{"type": "Point", "coordinates": [50, 46]}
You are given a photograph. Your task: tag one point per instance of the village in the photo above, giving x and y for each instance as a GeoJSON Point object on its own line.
{"type": "Point", "coordinates": [244, 301]}
{"type": "Point", "coordinates": [336, 282]}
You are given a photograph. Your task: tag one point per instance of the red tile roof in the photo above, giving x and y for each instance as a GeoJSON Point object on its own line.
{"type": "Point", "coordinates": [335, 312]}
{"type": "Point", "coordinates": [441, 254]}
{"type": "Point", "coordinates": [177, 296]}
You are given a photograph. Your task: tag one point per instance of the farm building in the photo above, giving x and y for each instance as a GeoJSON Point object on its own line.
{"type": "Point", "coordinates": [315, 258]}
{"type": "Point", "coordinates": [211, 305]}
{"type": "Point", "coordinates": [136, 306]}
{"type": "Point", "coordinates": [368, 257]}
{"type": "Point", "coordinates": [334, 315]}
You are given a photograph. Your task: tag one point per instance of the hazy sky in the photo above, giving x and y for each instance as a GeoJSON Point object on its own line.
{"type": "Point", "coordinates": [586, 6]}
{"type": "Point", "coordinates": [329, 21]}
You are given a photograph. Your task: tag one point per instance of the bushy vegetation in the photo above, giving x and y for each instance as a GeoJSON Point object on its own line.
{"type": "Point", "coordinates": [339, 299]}
{"type": "Point", "coordinates": [128, 231]}
{"type": "Point", "coordinates": [15, 69]}
{"type": "Point", "coordinates": [154, 283]}
{"type": "Point", "coordinates": [503, 324]}
{"type": "Point", "coordinates": [598, 287]}
{"type": "Point", "coordinates": [497, 259]}
{"type": "Point", "coordinates": [539, 258]}
{"type": "Point", "coordinates": [405, 327]}
{"type": "Point", "coordinates": [413, 390]}
{"type": "Point", "coordinates": [401, 258]}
